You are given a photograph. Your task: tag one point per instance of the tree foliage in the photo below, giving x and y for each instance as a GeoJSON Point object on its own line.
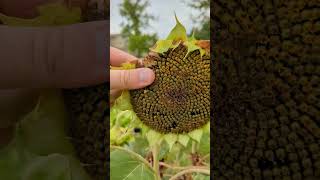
{"type": "Point", "coordinates": [137, 19]}
{"type": "Point", "coordinates": [202, 19]}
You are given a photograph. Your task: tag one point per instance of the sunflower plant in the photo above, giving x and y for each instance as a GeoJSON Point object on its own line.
{"type": "Point", "coordinates": [163, 131]}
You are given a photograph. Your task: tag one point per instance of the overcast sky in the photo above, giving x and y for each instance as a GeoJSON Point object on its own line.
{"type": "Point", "coordinates": [163, 10]}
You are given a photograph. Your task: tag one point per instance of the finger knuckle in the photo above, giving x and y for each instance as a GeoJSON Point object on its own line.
{"type": "Point", "coordinates": [125, 78]}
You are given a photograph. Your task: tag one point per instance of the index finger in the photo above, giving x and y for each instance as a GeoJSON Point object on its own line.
{"type": "Point", "coordinates": [117, 57]}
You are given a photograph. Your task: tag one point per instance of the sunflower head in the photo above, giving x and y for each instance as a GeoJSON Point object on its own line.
{"type": "Point", "coordinates": [178, 101]}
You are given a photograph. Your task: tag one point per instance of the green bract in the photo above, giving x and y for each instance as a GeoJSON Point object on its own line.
{"type": "Point", "coordinates": [177, 35]}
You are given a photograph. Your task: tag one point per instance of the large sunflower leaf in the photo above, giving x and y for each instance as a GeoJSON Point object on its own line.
{"type": "Point", "coordinates": [43, 129]}
{"type": "Point", "coordinates": [139, 145]}
{"type": "Point", "coordinates": [128, 165]}
{"type": "Point", "coordinates": [19, 161]}
{"type": "Point", "coordinates": [51, 167]}
{"type": "Point", "coordinates": [16, 163]}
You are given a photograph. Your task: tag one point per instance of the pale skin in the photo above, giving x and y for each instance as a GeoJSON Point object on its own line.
{"type": "Point", "coordinates": [33, 58]}
{"type": "Point", "coordinates": [127, 79]}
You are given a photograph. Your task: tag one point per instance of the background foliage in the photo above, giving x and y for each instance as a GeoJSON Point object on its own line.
{"type": "Point", "coordinates": [136, 19]}
{"type": "Point", "coordinates": [202, 19]}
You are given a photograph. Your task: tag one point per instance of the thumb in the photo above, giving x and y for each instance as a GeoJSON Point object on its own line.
{"type": "Point", "coordinates": [131, 79]}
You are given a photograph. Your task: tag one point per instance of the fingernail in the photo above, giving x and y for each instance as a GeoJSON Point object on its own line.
{"type": "Point", "coordinates": [144, 75]}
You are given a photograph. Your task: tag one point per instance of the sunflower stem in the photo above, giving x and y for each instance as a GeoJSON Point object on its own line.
{"type": "Point", "coordinates": [194, 147]}
{"type": "Point", "coordinates": [155, 152]}
{"type": "Point", "coordinates": [177, 160]}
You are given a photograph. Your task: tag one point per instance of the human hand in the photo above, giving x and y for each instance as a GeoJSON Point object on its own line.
{"type": "Point", "coordinates": [41, 57]}
{"type": "Point", "coordinates": [126, 79]}
{"type": "Point", "coordinates": [33, 58]}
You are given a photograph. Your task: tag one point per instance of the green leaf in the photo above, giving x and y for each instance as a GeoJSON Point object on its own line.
{"type": "Point", "coordinates": [192, 38]}
{"type": "Point", "coordinates": [17, 161]}
{"type": "Point", "coordinates": [43, 129]}
{"type": "Point", "coordinates": [124, 117]}
{"type": "Point", "coordinates": [113, 115]}
{"type": "Point", "coordinates": [196, 134]}
{"type": "Point", "coordinates": [162, 46]}
{"type": "Point", "coordinates": [204, 146]}
{"type": "Point", "coordinates": [115, 132]}
{"type": "Point", "coordinates": [191, 47]}
{"type": "Point", "coordinates": [128, 165]}
{"type": "Point", "coordinates": [185, 159]}
{"type": "Point", "coordinates": [207, 127]}
{"type": "Point", "coordinates": [183, 139]}
{"type": "Point", "coordinates": [144, 129]}
{"type": "Point", "coordinates": [52, 167]}
{"type": "Point", "coordinates": [202, 52]}
{"type": "Point", "coordinates": [124, 138]}
{"type": "Point", "coordinates": [123, 102]}
{"type": "Point", "coordinates": [164, 150]}
{"type": "Point", "coordinates": [121, 135]}
{"type": "Point", "coordinates": [171, 139]}
{"type": "Point", "coordinates": [139, 145]}
{"type": "Point", "coordinates": [178, 32]}
{"type": "Point", "coordinates": [153, 137]}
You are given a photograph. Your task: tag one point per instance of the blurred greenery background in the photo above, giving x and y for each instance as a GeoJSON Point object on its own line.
{"type": "Point", "coordinates": [135, 25]}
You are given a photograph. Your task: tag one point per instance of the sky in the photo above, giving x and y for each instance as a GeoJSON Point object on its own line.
{"type": "Point", "coordinates": [163, 10]}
